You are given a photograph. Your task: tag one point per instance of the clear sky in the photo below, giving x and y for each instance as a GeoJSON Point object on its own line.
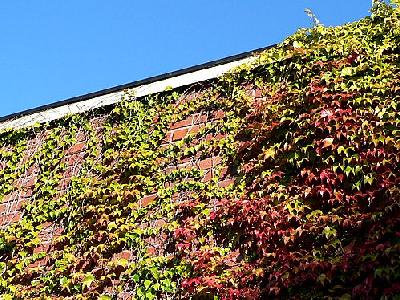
{"type": "Point", "coordinates": [51, 50]}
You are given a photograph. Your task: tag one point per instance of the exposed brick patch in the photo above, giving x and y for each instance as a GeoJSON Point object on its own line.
{"type": "Point", "coordinates": [226, 182]}
{"type": "Point", "coordinates": [179, 134]}
{"type": "Point", "coordinates": [41, 248]}
{"type": "Point", "coordinates": [186, 122]}
{"type": "Point", "coordinates": [147, 200]}
{"type": "Point", "coordinates": [26, 193]}
{"type": "Point", "coordinates": [23, 186]}
{"type": "Point", "coordinates": [191, 120]}
{"type": "Point", "coordinates": [224, 172]}
{"type": "Point", "coordinates": [78, 147]}
{"type": "Point", "coordinates": [257, 93]}
{"type": "Point", "coordinates": [170, 169]}
{"type": "Point", "coordinates": [125, 254]}
{"type": "Point", "coordinates": [80, 136]}
{"type": "Point", "coordinates": [159, 223]}
{"type": "Point", "coordinates": [200, 118]}
{"type": "Point", "coordinates": [74, 158]}
{"type": "Point", "coordinates": [33, 146]}
{"type": "Point", "coordinates": [209, 163]}
{"type": "Point", "coordinates": [10, 217]}
{"type": "Point", "coordinates": [208, 176]}
{"type": "Point", "coordinates": [10, 209]}
{"type": "Point", "coordinates": [124, 296]}
{"type": "Point", "coordinates": [218, 114]}
{"type": "Point", "coordinates": [151, 250]}
{"type": "Point", "coordinates": [29, 182]}
{"type": "Point", "coordinates": [168, 138]}
{"type": "Point", "coordinates": [74, 165]}
{"type": "Point", "coordinates": [32, 170]}
{"type": "Point", "coordinates": [212, 136]}
{"type": "Point", "coordinates": [3, 208]}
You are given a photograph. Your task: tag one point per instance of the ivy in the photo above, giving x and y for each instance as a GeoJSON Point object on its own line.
{"type": "Point", "coordinates": [308, 133]}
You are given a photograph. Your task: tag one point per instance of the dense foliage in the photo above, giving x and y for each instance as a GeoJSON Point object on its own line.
{"type": "Point", "coordinates": [314, 210]}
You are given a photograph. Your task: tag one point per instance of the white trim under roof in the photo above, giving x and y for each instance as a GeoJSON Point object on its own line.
{"type": "Point", "coordinates": [185, 79]}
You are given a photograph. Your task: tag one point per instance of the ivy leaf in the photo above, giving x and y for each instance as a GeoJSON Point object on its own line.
{"type": "Point", "coordinates": [87, 281]}
{"type": "Point", "coordinates": [112, 225]}
{"type": "Point", "coordinates": [328, 142]}
{"type": "Point", "coordinates": [136, 278]}
{"type": "Point", "coordinates": [297, 44]}
{"type": "Point", "coordinates": [329, 231]}
{"type": "Point", "coordinates": [347, 71]}
{"type": "Point", "coordinates": [150, 296]}
{"type": "Point", "coordinates": [147, 284]}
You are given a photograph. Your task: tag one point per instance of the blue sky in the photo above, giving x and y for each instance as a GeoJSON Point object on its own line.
{"type": "Point", "coordinates": [51, 50]}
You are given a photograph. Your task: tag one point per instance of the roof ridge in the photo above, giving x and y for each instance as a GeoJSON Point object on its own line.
{"type": "Point", "coordinates": [133, 84]}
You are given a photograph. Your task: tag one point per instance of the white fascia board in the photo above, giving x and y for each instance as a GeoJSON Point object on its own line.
{"type": "Point", "coordinates": [140, 91]}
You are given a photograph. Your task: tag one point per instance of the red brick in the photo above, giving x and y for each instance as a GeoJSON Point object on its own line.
{"type": "Point", "coordinates": [185, 165]}
{"type": "Point", "coordinates": [195, 128]}
{"type": "Point", "coordinates": [39, 263]}
{"type": "Point", "coordinates": [220, 136]}
{"type": "Point", "coordinates": [176, 196]}
{"type": "Point", "coordinates": [186, 160]}
{"type": "Point", "coordinates": [58, 231]}
{"type": "Point", "coordinates": [205, 164]}
{"type": "Point", "coordinates": [159, 223]}
{"type": "Point", "coordinates": [169, 169]}
{"type": "Point", "coordinates": [74, 159]}
{"type": "Point", "coordinates": [224, 171]}
{"type": "Point", "coordinates": [226, 182]}
{"type": "Point", "coordinates": [16, 217]}
{"type": "Point", "coordinates": [64, 183]}
{"type": "Point", "coordinates": [207, 177]}
{"type": "Point", "coordinates": [186, 122]}
{"type": "Point", "coordinates": [41, 248]}
{"type": "Point", "coordinates": [208, 163]}
{"type": "Point", "coordinates": [125, 254]}
{"type": "Point", "coordinates": [151, 250]}
{"type": "Point", "coordinates": [20, 203]}
{"type": "Point", "coordinates": [3, 208]}
{"type": "Point", "coordinates": [147, 200]}
{"type": "Point", "coordinates": [257, 93]}
{"type": "Point", "coordinates": [26, 193]}
{"type": "Point", "coordinates": [32, 170]}
{"type": "Point", "coordinates": [217, 136]}
{"type": "Point", "coordinates": [168, 137]}
{"type": "Point", "coordinates": [218, 114]}
{"type": "Point", "coordinates": [80, 136]}
{"type": "Point", "coordinates": [76, 148]}
{"type": "Point", "coordinates": [164, 147]}
{"type": "Point", "coordinates": [46, 226]}
{"type": "Point", "coordinates": [199, 118]}
{"type": "Point", "coordinates": [124, 296]}
{"type": "Point", "coordinates": [209, 137]}
{"type": "Point", "coordinates": [30, 182]}
{"type": "Point", "coordinates": [169, 185]}
{"type": "Point", "coordinates": [179, 134]}
{"type": "Point", "coordinates": [10, 197]}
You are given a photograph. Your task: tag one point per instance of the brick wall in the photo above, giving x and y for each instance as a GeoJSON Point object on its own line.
{"type": "Point", "coordinates": [11, 207]}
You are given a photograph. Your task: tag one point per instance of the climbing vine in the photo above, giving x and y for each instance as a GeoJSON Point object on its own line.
{"type": "Point", "coordinates": [285, 183]}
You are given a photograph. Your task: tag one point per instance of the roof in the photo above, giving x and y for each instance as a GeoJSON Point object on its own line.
{"type": "Point", "coordinates": [112, 95]}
